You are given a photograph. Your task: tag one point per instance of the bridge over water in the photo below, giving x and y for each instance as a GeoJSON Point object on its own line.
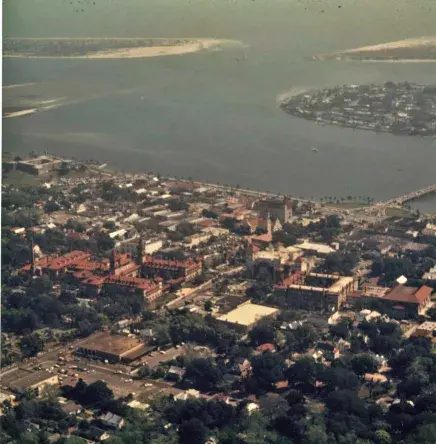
{"type": "Point", "coordinates": [380, 207]}
{"type": "Point", "coordinates": [410, 196]}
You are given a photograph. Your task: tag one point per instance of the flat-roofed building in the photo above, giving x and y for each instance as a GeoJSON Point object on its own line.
{"type": "Point", "coordinates": [39, 165]}
{"type": "Point", "coordinates": [316, 249]}
{"type": "Point", "coordinates": [280, 209]}
{"type": "Point", "coordinates": [114, 348]}
{"type": "Point", "coordinates": [35, 382]}
{"type": "Point", "coordinates": [427, 329]}
{"type": "Point", "coordinates": [317, 291]}
{"type": "Point", "coordinates": [247, 315]}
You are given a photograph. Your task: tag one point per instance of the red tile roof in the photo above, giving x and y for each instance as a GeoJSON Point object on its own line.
{"type": "Point", "coordinates": [400, 293]}
{"type": "Point", "coordinates": [129, 281]}
{"type": "Point", "coordinates": [423, 293]}
{"type": "Point", "coordinates": [266, 347]}
{"type": "Point", "coordinates": [67, 260]}
{"type": "Point", "coordinates": [265, 238]}
{"type": "Point", "coordinates": [164, 263]}
{"type": "Point", "coordinates": [91, 265]}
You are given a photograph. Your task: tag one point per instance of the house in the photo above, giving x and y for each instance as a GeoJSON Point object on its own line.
{"type": "Point", "coordinates": [291, 325]}
{"type": "Point", "coordinates": [426, 329]}
{"type": "Point", "coordinates": [281, 386]}
{"type": "Point", "coordinates": [239, 366]}
{"type": "Point", "coordinates": [267, 347]}
{"type": "Point", "coordinates": [175, 373]}
{"type": "Point", "coordinates": [112, 421]}
{"type": "Point", "coordinates": [330, 349]}
{"type": "Point", "coordinates": [343, 345]}
{"type": "Point", "coordinates": [146, 333]}
{"type": "Point", "coordinates": [93, 434]}
{"type": "Point", "coordinates": [71, 408]}
{"type": "Point", "coordinates": [190, 393]}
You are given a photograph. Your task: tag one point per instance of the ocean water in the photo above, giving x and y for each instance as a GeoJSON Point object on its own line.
{"type": "Point", "coordinates": [214, 115]}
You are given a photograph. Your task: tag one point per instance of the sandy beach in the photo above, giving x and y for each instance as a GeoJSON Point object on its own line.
{"type": "Point", "coordinates": [191, 46]}
{"type": "Point", "coordinates": [399, 44]}
{"type": "Point", "coordinates": [415, 50]}
{"type": "Point", "coordinates": [24, 112]}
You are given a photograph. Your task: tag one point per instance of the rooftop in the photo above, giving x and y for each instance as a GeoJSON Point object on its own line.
{"type": "Point", "coordinates": [130, 281]}
{"type": "Point", "coordinates": [428, 326]}
{"type": "Point", "coordinates": [319, 248]}
{"type": "Point", "coordinates": [30, 380]}
{"type": "Point", "coordinates": [401, 293]}
{"type": "Point", "coordinates": [247, 314]}
{"type": "Point", "coordinates": [111, 344]}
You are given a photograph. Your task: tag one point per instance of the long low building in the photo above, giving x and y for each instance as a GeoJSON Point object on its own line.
{"type": "Point", "coordinates": [114, 348]}
{"type": "Point", "coordinates": [247, 315]}
{"type": "Point", "coordinates": [35, 382]}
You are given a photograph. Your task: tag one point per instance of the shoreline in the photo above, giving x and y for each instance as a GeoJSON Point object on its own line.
{"type": "Point", "coordinates": [191, 46]}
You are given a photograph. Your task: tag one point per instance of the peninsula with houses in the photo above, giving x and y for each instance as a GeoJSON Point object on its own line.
{"type": "Point", "coordinates": [398, 108]}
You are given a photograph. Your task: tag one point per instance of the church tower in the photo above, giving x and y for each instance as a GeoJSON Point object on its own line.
{"type": "Point", "coordinates": [139, 259]}
{"type": "Point", "coordinates": [268, 223]}
{"type": "Point", "coordinates": [32, 255]}
{"type": "Point", "coordinates": [112, 262]}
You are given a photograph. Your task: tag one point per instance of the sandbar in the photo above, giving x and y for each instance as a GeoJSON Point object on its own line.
{"type": "Point", "coordinates": [413, 50]}
{"type": "Point", "coordinates": [158, 50]}
{"type": "Point", "coordinates": [24, 112]}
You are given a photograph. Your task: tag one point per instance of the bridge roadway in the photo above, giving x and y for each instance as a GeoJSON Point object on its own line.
{"type": "Point", "coordinates": [410, 196]}
{"type": "Point", "coordinates": [382, 205]}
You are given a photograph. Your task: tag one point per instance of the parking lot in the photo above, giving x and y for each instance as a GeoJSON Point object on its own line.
{"type": "Point", "coordinates": [117, 376]}
{"type": "Point", "coordinates": [155, 358]}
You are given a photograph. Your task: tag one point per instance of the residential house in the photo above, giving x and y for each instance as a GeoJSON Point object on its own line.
{"type": "Point", "coordinates": [175, 373]}
{"type": "Point", "coordinates": [112, 421]}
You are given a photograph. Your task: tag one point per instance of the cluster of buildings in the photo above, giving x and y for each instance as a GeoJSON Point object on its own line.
{"type": "Point", "coordinates": [401, 108]}
{"type": "Point", "coordinates": [206, 247]}
{"type": "Point", "coordinates": [122, 273]}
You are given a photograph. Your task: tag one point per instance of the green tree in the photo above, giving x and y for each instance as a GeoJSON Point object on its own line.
{"type": "Point", "coordinates": [316, 434]}
{"type": "Point", "coordinates": [382, 437]}
{"type": "Point", "coordinates": [31, 344]}
{"type": "Point", "coordinates": [193, 432]}
{"type": "Point", "coordinates": [204, 373]}
{"type": "Point", "coordinates": [262, 333]}
{"type": "Point", "coordinates": [363, 363]}
{"type": "Point", "coordinates": [267, 368]}
{"type": "Point", "coordinates": [208, 305]}
{"type": "Point", "coordinates": [304, 371]}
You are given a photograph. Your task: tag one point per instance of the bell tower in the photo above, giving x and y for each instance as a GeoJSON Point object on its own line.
{"type": "Point", "coordinates": [140, 252]}
{"type": "Point", "coordinates": [112, 262]}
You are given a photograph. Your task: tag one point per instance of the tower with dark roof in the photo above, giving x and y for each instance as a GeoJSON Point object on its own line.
{"type": "Point", "coordinates": [140, 252]}
{"type": "Point", "coordinates": [112, 262]}
{"type": "Point", "coordinates": [32, 254]}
